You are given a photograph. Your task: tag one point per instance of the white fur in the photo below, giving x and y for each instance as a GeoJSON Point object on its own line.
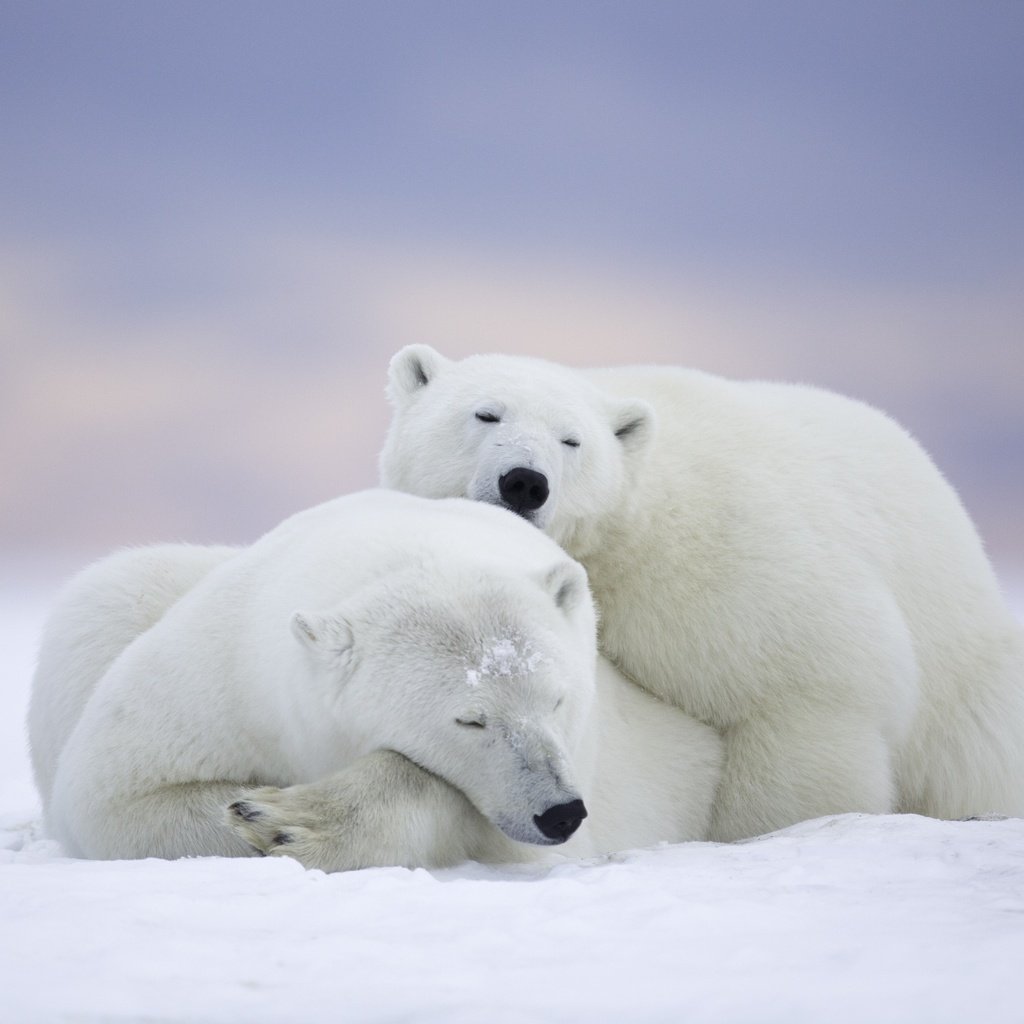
{"type": "Point", "coordinates": [380, 680]}
{"type": "Point", "coordinates": [785, 564]}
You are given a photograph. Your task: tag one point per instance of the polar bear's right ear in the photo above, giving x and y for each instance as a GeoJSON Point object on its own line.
{"type": "Point", "coordinates": [411, 369]}
{"type": "Point", "coordinates": [328, 637]}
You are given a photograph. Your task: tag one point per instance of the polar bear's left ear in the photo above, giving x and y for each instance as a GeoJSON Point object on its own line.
{"type": "Point", "coordinates": [567, 584]}
{"type": "Point", "coordinates": [328, 637]}
{"type": "Point", "coordinates": [633, 424]}
{"type": "Point", "coordinates": [411, 369]}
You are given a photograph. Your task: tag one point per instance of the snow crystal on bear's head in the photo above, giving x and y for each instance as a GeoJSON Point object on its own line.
{"type": "Point", "coordinates": [507, 655]}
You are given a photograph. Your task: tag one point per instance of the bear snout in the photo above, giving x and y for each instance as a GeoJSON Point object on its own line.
{"type": "Point", "coordinates": [523, 490]}
{"type": "Point", "coordinates": [559, 822]}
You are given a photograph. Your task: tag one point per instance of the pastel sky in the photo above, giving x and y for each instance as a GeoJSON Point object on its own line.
{"type": "Point", "coordinates": [219, 220]}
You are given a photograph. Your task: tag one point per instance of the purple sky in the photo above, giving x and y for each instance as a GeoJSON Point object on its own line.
{"type": "Point", "coordinates": [220, 219]}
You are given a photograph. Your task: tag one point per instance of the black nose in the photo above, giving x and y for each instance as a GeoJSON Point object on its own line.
{"type": "Point", "coordinates": [559, 822]}
{"type": "Point", "coordinates": [523, 490]}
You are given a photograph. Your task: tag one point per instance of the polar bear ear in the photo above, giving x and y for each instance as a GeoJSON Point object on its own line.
{"type": "Point", "coordinates": [411, 369]}
{"type": "Point", "coordinates": [566, 582]}
{"type": "Point", "coordinates": [329, 637]}
{"type": "Point", "coordinates": [633, 424]}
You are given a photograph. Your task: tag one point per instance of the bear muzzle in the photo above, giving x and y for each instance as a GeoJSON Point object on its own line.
{"type": "Point", "coordinates": [559, 822]}
{"type": "Point", "coordinates": [523, 490]}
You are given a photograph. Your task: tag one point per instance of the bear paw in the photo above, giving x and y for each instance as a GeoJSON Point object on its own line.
{"type": "Point", "coordinates": [321, 825]}
{"type": "Point", "coordinates": [258, 823]}
{"type": "Point", "coordinates": [267, 822]}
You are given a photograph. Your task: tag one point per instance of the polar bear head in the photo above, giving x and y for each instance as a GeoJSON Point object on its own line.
{"type": "Point", "coordinates": [532, 436]}
{"type": "Point", "coordinates": [483, 678]}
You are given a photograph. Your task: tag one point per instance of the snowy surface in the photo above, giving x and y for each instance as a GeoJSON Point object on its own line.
{"type": "Point", "coordinates": [852, 918]}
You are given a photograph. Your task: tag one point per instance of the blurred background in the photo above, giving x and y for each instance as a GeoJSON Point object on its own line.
{"type": "Point", "coordinates": [219, 220]}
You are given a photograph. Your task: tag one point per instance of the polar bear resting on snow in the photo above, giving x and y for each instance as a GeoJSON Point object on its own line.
{"type": "Point", "coordinates": [782, 563]}
{"type": "Point", "coordinates": [379, 680]}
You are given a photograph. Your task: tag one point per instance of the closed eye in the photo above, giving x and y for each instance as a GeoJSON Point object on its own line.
{"type": "Point", "coordinates": [571, 442]}
{"type": "Point", "coordinates": [471, 723]}
{"type": "Point", "coordinates": [488, 417]}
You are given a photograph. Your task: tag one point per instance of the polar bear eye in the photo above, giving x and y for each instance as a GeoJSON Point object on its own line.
{"type": "Point", "coordinates": [472, 723]}
{"type": "Point", "coordinates": [571, 442]}
{"type": "Point", "coordinates": [488, 417]}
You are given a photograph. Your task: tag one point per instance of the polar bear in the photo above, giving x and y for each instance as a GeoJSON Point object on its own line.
{"type": "Point", "coordinates": [782, 563]}
{"type": "Point", "coordinates": [379, 680]}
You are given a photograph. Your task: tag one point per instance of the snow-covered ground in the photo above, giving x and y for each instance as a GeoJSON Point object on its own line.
{"type": "Point", "coordinates": [852, 918]}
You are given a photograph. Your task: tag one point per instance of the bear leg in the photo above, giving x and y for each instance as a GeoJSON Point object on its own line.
{"type": "Point", "coordinates": [381, 810]}
{"type": "Point", "coordinates": [778, 772]}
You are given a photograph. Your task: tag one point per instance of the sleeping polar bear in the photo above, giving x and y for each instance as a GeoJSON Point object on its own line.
{"type": "Point", "coordinates": [379, 680]}
{"type": "Point", "coordinates": [782, 563]}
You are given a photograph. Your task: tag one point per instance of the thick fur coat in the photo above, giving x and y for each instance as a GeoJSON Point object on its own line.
{"type": "Point", "coordinates": [379, 680]}
{"type": "Point", "coordinates": [782, 563]}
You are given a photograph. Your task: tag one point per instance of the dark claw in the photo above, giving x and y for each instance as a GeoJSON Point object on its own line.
{"type": "Point", "coordinates": [245, 811]}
